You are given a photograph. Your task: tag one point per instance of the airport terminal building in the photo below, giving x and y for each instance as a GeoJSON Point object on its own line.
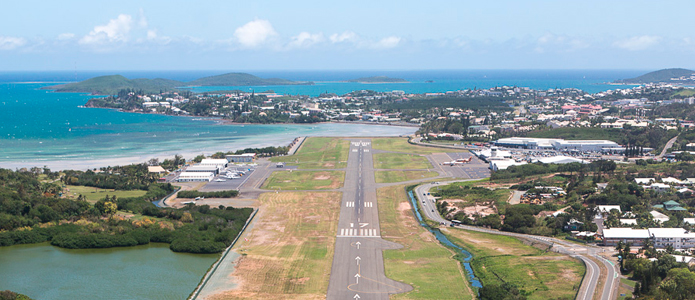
{"type": "Point", "coordinates": [557, 144]}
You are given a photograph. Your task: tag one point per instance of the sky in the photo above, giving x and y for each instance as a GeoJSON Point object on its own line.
{"type": "Point", "coordinates": [345, 35]}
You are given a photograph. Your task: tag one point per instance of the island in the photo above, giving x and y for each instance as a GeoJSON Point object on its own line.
{"type": "Point", "coordinates": [675, 76]}
{"type": "Point", "coordinates": [112, 84]}
{"type": "Point", "coordinates": [377, 79]}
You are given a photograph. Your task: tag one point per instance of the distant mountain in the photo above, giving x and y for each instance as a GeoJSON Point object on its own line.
{"type": "Point", "coordinates": [111, 84]}
{"type": "Point", "coordinates": [377, 79]}
{"type": "Point", "coordinates": [665, 75]}
{"type": "Point", "coordinates": [242, 79]}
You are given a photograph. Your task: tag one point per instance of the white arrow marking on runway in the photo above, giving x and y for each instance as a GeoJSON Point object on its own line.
{"type": "Point", "coordinates": [358, 260]}
{"type": "Point", "coordinates": [358, 245]}
{"type": "Point", "coordinates": [357, 296]}
{"type": "Point", "coordinates": [362, 225]}
{"type": "Point", "coordinates": [357, 278]}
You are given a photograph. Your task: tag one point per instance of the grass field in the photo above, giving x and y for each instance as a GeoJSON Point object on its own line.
{"type": "Point", "coordinates": [95, 194]}
{"type": "Point", "coordinates": [400, 161]}
{"type": "Point", "coordinates": [685, 93]}
{"type": "Point", "coordinates": [402, 145]}
{"type": "Point", "coordinates": [626, 287]}
{"type": "Point", "coordinates": [399, 176]}
{"type": "Point", "coordinates": [544, 275]}
{"type": "Point", "coordinates": [290, 248]}
{"type": "Point", "coordinates": [305, 180]}
{"type": "Point", "coordinates": [422, 262]}
{"type": "Point", "coordinates": [319, 153]}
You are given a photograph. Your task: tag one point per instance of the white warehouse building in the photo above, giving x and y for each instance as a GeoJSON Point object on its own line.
{"type": "Point", "coordinates": [584, 145]}
{"type": "Point", "coordinates": [195, 176]}
{"type": "Point", "coordinates": [557, 144]}
{"type": "Point", "coordinates": [211, 162]}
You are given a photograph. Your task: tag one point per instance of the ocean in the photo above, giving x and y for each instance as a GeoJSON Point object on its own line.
{"type": "Point", "coordinates": [39, 127]}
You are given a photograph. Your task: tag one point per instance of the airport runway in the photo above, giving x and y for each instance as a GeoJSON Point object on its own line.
{"type": "Point", "coordinates": [358, 265]}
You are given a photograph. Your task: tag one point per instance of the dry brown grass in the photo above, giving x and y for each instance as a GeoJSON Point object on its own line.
{"type": "Point", "coordinates": [289, 251]}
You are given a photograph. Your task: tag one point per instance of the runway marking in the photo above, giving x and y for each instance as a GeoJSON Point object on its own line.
{"type": "Point", "coordinates": [366, 150]}
{"type": "Point", "coordinates": [368, 204]}
{"type": "Point", "coordinates": [354, 150]}
{"type": "Point", "coordinates": [353, 232]}
{"type": "Point", "coordinates": [350, 204]}
{"type": "Point", "coordinates": [363, 225]}
{"type": "Point", "coordinates": [358, 260]}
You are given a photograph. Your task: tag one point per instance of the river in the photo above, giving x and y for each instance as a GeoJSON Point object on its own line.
{"type": "Point", "coordinates": [45, 272]}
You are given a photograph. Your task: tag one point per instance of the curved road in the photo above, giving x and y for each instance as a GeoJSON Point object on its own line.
{"type": "Point", "coordinates": [584, 253]}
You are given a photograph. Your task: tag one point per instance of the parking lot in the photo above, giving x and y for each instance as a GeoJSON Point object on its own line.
{"type": "Point", "coordinates": [229, 183]}
{"type": "Point", "coordinates": [474, 169]}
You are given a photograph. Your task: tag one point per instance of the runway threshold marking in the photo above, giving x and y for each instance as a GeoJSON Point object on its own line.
{"type": "Point", "coordinates": [354, 232]}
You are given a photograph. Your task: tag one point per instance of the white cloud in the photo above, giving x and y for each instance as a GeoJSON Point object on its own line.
{"type": "Point", "coordinates": [116, 30]}
{"type": "Point", "coordinates": [66, 36]}
{"type": "Point", "coordinates": [637, 43]}
{"type": "Point", "coordinates": [388, 42]}
{"type": "Point", "coordinates": [305, 39]}
{"type": "Point", "coordinates": [347, 36]}
{"type": "Point", "coordinates": [254, 33]}
{"type": "Point", "coordinates": [9, 43]}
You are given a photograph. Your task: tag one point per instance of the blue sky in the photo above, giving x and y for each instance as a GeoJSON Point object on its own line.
{"type": "Point", "coordinates": [310, 35]}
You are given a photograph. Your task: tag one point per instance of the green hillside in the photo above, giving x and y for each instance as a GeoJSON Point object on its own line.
{"type": "Point", "coordinates": [111, 84]}
{"type": "Point", "coordinates": [377, 79]}
{"type": "Point", "coordinates": [664, 75]}
{"type": "Point", "coordinates": [241, 79]}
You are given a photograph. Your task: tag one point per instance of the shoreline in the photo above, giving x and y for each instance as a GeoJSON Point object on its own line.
{"type": "Point", "coordinates": [223, 121]}
{"type": "Point", "coordinates": [58, 164]}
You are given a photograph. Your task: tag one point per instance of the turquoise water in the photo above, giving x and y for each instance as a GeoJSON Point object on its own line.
{"type": "Point", "coordinates": [40, 127]}
{"type": "Point", "coordinates": [152, 271]}
{"type": "Point", "coordinates": [591, 81]}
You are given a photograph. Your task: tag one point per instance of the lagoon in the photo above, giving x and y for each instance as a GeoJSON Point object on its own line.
{"type": "Point", "coordinates": [152, 271]}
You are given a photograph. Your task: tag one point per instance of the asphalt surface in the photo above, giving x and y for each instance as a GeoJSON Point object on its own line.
{"type": "Point", "coordinates": [358, 265]}
{"type": "Point", "coordinates": [668, 145]}
{"type": "Point", "coordinates": [587, 254]}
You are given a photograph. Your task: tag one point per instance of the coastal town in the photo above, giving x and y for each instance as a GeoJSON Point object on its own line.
{"type": "Point", "coordinates": [604, 180]}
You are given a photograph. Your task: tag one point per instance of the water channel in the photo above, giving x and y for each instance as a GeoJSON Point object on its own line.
{"type": "Point", "coordinates": [467, 256]}
{"type": "Point", "coordinates": [152, 271]}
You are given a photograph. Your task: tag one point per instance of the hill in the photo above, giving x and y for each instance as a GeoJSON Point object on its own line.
{"type": "Point", "coordinates": [666, 75]}
{"type": "Point", "coordinates": [111, 84]}
{"type": "Point", "coordinates": [377, 79]}
{"type": "Point", "coordinates": [242, 79]}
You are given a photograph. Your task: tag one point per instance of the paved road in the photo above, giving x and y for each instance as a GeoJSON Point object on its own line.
{"type": "Point", "coordinates": [584, 253]}
{"type": "Point", "coordinates": [668, 145]}
{"type": "Point", "coordinates": [358, 263]}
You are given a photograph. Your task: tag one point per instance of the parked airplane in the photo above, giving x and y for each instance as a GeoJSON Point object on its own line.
{"type": "Point", "coordinates": [459, 161]}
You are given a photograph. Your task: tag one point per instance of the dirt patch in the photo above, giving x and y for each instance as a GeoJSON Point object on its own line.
{"type": "Point", "coordinates": [302, 280]}
{"type": "Point", "coordinates": [328, 164]}
{"type": "Point", "coordinates": [408, 262]}
{"type": "Point", "coordinates": [483, 209]}
{"type": "Point", "coordinates": [322, 177]}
